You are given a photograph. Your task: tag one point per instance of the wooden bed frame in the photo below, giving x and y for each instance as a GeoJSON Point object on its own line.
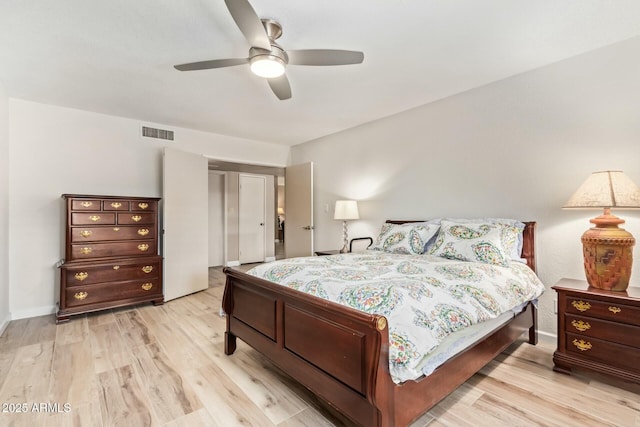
{"type": "Point", "coordinates": [294, 329]}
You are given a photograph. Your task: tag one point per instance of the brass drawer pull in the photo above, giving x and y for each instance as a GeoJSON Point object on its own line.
{"type": "Point", "coordinates": [116, 267]}
{"type": "Point", "coordinates": [85, 233]}
{"type": "Point", "coordinates": [86, 204]}
{"type": "Point", "coordinates": [95, 218]}
{"type": "Point", "coordinates": [143, 232]}
{"type": "Point", "coordinates": [85, 251]}
{"type": "Point", "coordinates": [81, 275]}
{"type": "Point", "coordinates": [116, 205]}
{"type": "Point", "coordinates": [143, 247]}
{"type": "Point", "coordinates": [143, 205]}
{"type": "Point", "coordinates": [582, 345]}
{"type": "Point", "coordinates": [80, 295]}
{"type": "Point", "coordinates": [147, 286]}
{"type": "Point", "coordinates": [615, 310]}
{"type": "Point", "coordinates": [136, 218]}
{"type": "Point", "coordinates": [116, 228]}
{"type": "Point", "coordinates": [580, 325]}
{"type": "Point", "coordinates": [147, 268]}
{"type": "Point", "coordinates": [581, 305]}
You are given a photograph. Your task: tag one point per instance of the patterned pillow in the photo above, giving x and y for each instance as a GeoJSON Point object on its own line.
{"type": "Point", "coordinates": [488, 243]}
{"type": "Point", "coordinates": [404, 238]}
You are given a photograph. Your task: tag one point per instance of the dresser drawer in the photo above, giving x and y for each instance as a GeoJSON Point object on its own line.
{"type": "Point", "coordinates": [115, 205]}
{"type": "Point", "coordinates": [612, 354]}
{"type": "Point", "coordinates": [107, 292]}
{"type": "Point", "coordinates": [120, 249]}
{"type": "Point", "coordinates": [116, 272]}
{"type": "Point", "coordinates": [93, 234]}
{"type": "Point", "coordinates": [95, 218]}
{"type": "Point", "coordinates": [144, 205]}
{"type": "Point", "coordinates": [133, 218]}
{"type": "Point", "coordinates": [603, 329]}
{"type": "Point", "coordinates": [86, 204]}
{"type": "Point", "coordinates": [603, 310]}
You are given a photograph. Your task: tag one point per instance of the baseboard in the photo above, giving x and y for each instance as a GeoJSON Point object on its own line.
{"type": "Point", "coordinates": [233, 263]}
{"type": "Point", "coordinates": [270, 259]}
{"type": "Point", "coordinates": [4, 323]}
{"type": "Point", "coordinates": [547, 337]}
{"type": "Point", "coordinates": [34, 312]}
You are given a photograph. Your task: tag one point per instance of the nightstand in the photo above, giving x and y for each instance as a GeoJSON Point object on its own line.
{"type": "Point", "coordinates": [329, 252]}
{"type": "Point", "coordinates": [598, 330]}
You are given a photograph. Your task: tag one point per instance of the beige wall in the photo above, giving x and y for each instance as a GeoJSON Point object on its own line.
{"type": "Point", "coordinates": [4, 210]}
{"type": "Point", "coordinates": [515, 148]}
{"type": "Point", "coordinates": [55, 150]}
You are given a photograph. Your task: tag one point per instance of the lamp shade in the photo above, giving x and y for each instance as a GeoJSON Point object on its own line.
{"type": "Point", "coordinates": [606, 189]}
{"type": "Point", "coordinates": [280, 211]}
{"type": "Point", "coordinates": [346, 209]}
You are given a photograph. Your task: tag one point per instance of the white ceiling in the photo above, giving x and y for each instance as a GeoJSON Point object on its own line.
{"type": "Point", "coordinates": [116, 56]}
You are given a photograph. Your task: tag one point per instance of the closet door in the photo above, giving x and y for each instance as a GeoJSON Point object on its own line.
{"type": "Point", "coordinates": [185, 223]}
{"type": "Point", "coordinates": [252, 212]}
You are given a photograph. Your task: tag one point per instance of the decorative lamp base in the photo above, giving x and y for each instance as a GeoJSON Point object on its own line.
{"type": "Point", "coordinates": [608, 254]}
{"type": "Point", "coordinates": [345, 238]}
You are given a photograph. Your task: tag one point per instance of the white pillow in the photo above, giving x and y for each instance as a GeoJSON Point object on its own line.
{"type": "Point", "coordinates": [510, 226]}
{"type": "Point", "coordinates": [409, 238]}
{"type": "Point", "coordinates": [478, 242]}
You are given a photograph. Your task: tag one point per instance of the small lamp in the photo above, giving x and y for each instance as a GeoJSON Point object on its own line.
{"type": "Point", "coordinates": [607, 249]}
{"type": "Point", "coordinates": [346, 210]}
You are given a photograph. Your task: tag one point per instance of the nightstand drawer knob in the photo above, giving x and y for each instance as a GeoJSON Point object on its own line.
{"type": "Point", "coordinates": [615, 310]}
{"type": "Point", "coordinates": [80, 295]}
{"type": "Point", "coordinates": [581, 305]}
{"type": "Point", "coordinates": [147, 286]}
{"type": "Point", "coordinates": [81, 275]}
{"type": "Point", "coordinates": [580, 325]}
{"type": "Point", "coordinates": [582, 345]}
{"type": "Point", "coordinates": [147, 269]}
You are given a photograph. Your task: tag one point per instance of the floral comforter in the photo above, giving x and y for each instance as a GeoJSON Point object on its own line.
{"type": "Point", "coordinates": [424, 298]}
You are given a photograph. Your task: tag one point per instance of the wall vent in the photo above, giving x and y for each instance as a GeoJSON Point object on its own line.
{"type": "Point", "coordinates": [157, 133]}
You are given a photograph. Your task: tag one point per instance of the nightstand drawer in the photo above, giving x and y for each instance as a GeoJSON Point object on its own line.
{"type": "Point", "coordinates": [612, 354]}
{"type": "Point", "coordinates": [604, 330]}
{"type": "Point", "coordinates": [603, 310]}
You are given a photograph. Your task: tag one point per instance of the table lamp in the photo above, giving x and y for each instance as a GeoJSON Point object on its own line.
{"type": "Point", "coordinates": [607, 249]}
{"type": "Point", "coordinates": [346, 210]}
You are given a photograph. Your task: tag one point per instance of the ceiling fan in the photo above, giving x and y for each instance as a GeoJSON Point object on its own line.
{"type": "Point", "coordinates": [266, 58]}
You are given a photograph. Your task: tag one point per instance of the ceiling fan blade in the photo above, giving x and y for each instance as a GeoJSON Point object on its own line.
{"type": "Point", "coordinates": [214, 63]}
{"type": "Point", "coordinates": [281, 87]}
{"type": "Point", "coordinates": [249, 23]}
{"type": "Point", "coordinates": [324, 57]}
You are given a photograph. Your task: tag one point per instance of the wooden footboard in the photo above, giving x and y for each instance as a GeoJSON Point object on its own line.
{"type": "Point", "coordinates": [341, 354]}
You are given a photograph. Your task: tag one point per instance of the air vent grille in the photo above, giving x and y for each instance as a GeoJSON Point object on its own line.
{"type": "Point", "coordinates": [157, 133]}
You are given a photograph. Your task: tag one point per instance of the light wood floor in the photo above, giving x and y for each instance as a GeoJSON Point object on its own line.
{"type": "Point", "coordinates": [165, 366]}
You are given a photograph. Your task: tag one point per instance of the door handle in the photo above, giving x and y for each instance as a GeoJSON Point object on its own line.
{"type": "Point", "coordinates": [308, 227]}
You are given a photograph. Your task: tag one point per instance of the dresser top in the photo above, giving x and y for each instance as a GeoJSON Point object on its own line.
{"type": "Point", "coordinates": [632, 292]}
{"type": "Point", "coordinates": [87, 196]}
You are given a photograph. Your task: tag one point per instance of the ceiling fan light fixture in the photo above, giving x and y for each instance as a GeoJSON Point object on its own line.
{"type": "Point", "coordinates": [267, 66]}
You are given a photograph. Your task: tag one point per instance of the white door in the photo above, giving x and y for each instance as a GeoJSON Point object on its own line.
{"type": "Point", "coordinates": [216, 218]}
{"type": "Point", "coordinates": [252, 213]}
{"type": "Point", "coordinates": [185, 223]}
{"type": "Point", "coordinates": [298, 199]}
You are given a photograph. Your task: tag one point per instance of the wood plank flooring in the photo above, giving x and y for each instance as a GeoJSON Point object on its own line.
{"type": "Point", "coordinates": [165, 366]}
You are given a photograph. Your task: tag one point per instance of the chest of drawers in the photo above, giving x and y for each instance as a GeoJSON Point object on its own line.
{"type": "Point", "coordinates": [111, 254]}
{"type": "Point", "coordinates": [598, 330]}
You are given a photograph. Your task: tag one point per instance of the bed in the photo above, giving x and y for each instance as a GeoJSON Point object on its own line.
{"type": "Point", "coordinates": [294, 329]}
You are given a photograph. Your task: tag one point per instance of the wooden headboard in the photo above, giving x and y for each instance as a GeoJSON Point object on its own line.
{"type": "Point", "coordinates": [528, 240]}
